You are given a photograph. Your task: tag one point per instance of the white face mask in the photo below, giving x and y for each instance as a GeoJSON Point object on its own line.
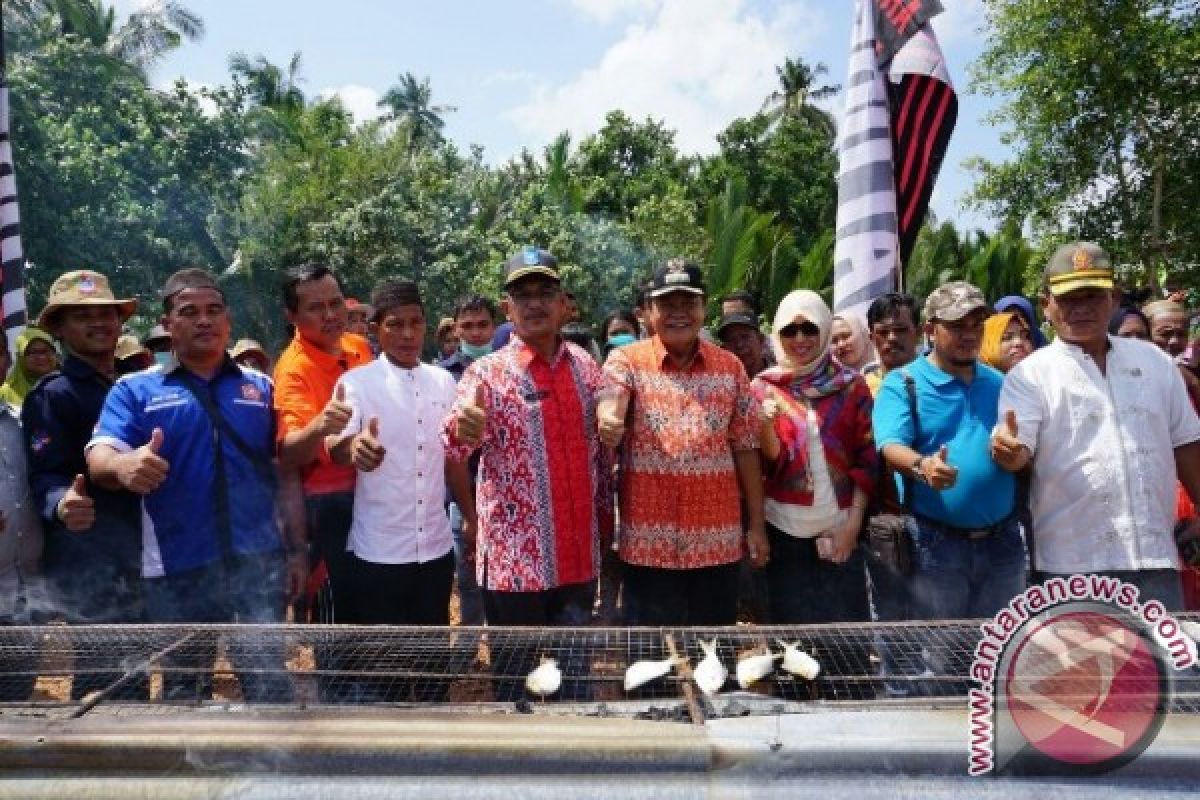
{"type": "Point", "coordinates": [162, 358]}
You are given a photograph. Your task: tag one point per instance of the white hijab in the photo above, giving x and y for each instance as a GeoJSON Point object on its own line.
{"type": "Point", "coordinates": [801, 304]}
{"type": "Point", "coordinates": [862, 340]}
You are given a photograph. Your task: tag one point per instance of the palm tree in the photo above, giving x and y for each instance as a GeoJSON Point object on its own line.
{"type": "Point", "coordinates": [741, 244]}
{"type": "Point", "coordinates": [141, 41]}
{"type": "Point", "coordinates": [561, 186]}
{"type": "Point", "coordinates": [410, 103]}
{"type": "Point", "coordinates": [797, 87]}
{"type": "Point", "coordinates": [270, 86]}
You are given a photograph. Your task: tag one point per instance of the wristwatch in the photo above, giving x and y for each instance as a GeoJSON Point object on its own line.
{"type": "Point", "coordinates": [917, 471]}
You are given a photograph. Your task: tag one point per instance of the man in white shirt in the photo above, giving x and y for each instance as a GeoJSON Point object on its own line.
{"type": "Point", "coordinates": [1107, 425]}
{"type": "Point", "coordinates": [400, 548]}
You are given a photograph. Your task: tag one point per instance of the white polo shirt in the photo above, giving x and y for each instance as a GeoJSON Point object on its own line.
{"type": "Point", "coordinates": [399, 508]}
{"type": "Point", "coordinates": [1103, 447]}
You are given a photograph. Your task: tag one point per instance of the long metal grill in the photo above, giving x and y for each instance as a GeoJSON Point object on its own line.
{"type": "Point", "coordinates": [69, 671]}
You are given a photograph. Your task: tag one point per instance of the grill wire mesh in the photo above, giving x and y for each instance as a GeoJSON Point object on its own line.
{"type": "Point", "coordinates": [73, 670]}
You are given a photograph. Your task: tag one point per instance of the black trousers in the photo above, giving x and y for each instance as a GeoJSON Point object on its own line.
{"type": "Point", "coordinates": [806, 589]}
{"type": "Point", "coordinates": [400, 594]}
{"type": "Point", "coordinates": [703, 596]}
{"type": "Point", "coordinates": [513, 659]}
{"type": "Point", "coordinates": [329, 517]}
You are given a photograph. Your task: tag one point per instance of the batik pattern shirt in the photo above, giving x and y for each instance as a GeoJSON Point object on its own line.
{"type": "Point", "coordinates": [680, 499]}
{"type": "Point", "coordinates": [544, 494]}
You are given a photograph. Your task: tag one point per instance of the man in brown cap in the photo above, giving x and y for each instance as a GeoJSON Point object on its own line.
{"type": "Point", "coordinates": [93, 535]}
{"type": "Point", "coordinates": [933, 423]}
{"type": "Point", "coordinates": [1107, 425]}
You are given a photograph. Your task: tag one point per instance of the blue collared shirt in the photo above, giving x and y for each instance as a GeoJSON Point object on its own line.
{"type": "Point", "coordinates": [181, 530]}
{"type": "Point", "coordinates": [456, 363]}
{"type": "Point", "coordinates": [960, 416]}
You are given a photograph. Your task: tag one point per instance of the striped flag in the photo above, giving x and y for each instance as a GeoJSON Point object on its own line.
{"type": "Point", "coordinates": [12, 258]}
{"type": "Point", "coordinates": [900, 112]}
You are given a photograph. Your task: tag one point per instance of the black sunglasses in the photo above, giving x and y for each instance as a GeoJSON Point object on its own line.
{"type": "Point", "coordinates": [806, 327]}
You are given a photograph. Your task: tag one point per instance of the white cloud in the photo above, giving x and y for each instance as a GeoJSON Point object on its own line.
{"type": "Point", "coordinates": [695, 64]}
{"type": "Point", "coordinates": [360, 101]}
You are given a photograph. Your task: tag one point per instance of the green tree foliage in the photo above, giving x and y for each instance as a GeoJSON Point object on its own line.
{"type": "Point", "coordinates": [626, 163]}
{"type": "Point", "coordinates": [140, 41]}
{"type": "Point", "coordinates": [255, 177]}
{"type": "Point", "coordinates": [119, 177]}
{"type": "Point", "coordinates": [410, 102]}
{"type": "Point", "coordinates": [1100, 107]}
{"type": "Point", "coordinates": [999, 264]}
{"type": "Point", "coordinates": [796, 88]}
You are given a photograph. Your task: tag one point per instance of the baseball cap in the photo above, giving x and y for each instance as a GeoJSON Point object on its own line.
{"type": "Point", "coordinates": [82, 287]}
{"type": "Point", "coordinates": [952, 301]}
{"type": "Point", "coordinates": [530, 261]}
{"type": "Point", "coordinates": [736, 318]}
{"type": "Point", "coordinates": [1078, 265]}
{"type": "Point", "coordinates": [677, 275]}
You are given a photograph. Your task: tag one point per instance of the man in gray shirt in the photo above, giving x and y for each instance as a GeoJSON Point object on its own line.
{"type": "Point", "coordinates": [21, 590]}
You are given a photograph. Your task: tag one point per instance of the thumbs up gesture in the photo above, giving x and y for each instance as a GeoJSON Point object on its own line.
{"type": "Point", "coordinates": [76, 510]}
{"type": "Point", "coordinates": [611, 407]}
{"type": "Point", "coordinates": [471, 419]}
{"type": "Point", "coordinates": [937, 470]}
{"type": "Point", "coordinates": [1007, 450]}
{"type": "Point", "coordinates": [366, 452]}
{"type": "Point", "coordinates": [336, 413]}
{"type": "Point", "coordinates": [774, 405]}
{"type": "Point", "coordinates": [143, 470]}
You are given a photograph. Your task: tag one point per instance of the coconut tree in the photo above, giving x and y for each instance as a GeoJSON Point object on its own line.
{"type": "Point", "coordinates": [141, 40]}
{"type": "Point", "coordinates": [410, 102]}
{"type": "Point", "coordinates": [797, 87]}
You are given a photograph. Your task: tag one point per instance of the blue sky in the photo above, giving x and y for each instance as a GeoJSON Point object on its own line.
{"type": "Point", "coordinates": [521, 71]}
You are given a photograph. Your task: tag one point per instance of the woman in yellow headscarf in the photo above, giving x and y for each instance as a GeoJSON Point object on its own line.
{"type": "Point", "coordinates": [1006, 340]}
{"type": "Point", "coordinates": [36, 356]}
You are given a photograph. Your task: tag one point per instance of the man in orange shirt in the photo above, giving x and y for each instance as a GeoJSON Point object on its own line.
{"type": "Point", "coordinates": [306, 411]}
{"type": "Point", "coordinates": [690, 456]}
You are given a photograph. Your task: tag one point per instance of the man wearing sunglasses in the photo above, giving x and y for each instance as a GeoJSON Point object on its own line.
{"type": "Point", "coordinates": [969, 553]}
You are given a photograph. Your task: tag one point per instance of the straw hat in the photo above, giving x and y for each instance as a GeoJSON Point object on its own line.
{"type": "Point", "coordinates": [129, 346]}
{"type": "Point", "coordinates": [82, 288]}
{"type": "Point", "coordinates": [243, 346]}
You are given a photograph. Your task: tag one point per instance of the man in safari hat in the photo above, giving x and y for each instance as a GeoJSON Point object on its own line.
{"type": "Point", "coordinates": [1107, 425]}
{"type": "Point", "coordinates": [93, 535]}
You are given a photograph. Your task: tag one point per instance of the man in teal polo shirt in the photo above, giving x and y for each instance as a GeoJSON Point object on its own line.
{"type": "Point", "coordinates": [969, 549]}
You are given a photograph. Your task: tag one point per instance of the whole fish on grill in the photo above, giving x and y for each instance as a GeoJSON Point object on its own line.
{"type": "Point", "coordinates": [710, 674]}
{"type": "Point", "coordinates": [545, 679]}
{"type": "Point", "coordinates": [798, 662]}
{"type": "Point", "coordinates": [642, 672]}
{"type": "Point", "coordinates": [753, 669]}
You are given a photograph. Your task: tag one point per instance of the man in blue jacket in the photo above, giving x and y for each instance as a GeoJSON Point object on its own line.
{"type": "Point", "coordinates": [195, 438]}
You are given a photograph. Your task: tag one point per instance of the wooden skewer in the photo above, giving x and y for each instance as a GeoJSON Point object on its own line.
{"type": "Point", "coordinates": [689, 684]}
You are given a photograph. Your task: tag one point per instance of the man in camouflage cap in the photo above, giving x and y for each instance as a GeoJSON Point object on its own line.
{"type": "Point", "coordinates": [969, 558]}
{"type": "Point", "coordinates": [1107, 425]}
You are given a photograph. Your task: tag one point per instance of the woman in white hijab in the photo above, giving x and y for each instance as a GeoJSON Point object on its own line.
{"type": "Point", "coordinates": [820, 467]}
{"type": "Point", "coordinates": [850, 342]}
